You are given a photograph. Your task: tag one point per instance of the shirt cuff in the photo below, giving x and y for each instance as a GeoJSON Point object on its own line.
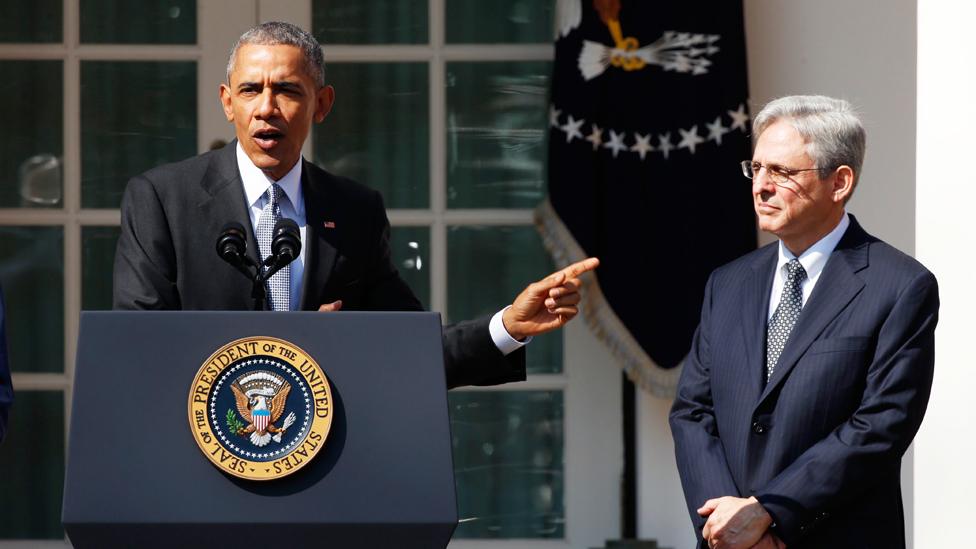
{"type": "Point", "coordinates": [504, 340]}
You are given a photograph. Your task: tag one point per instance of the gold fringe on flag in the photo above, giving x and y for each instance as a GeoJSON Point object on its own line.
{"type": "Point", "coordinates": [599, 316]}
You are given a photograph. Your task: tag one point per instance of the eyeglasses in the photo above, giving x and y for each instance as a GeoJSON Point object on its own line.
{"type": "Point", "coordinates": [779, 175]}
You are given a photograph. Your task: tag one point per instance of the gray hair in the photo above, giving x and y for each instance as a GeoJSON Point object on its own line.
{"type": "Point", "coordinates": [831, 128]}
{"type": "Point", "coordinates": [277, 33]}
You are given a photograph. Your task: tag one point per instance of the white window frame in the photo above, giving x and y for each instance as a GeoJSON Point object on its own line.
{"type": "Point", "coordinates": [590, 382]}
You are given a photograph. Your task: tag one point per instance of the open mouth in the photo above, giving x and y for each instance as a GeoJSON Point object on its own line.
{"type": "Point", "coordinates": [267, 138]}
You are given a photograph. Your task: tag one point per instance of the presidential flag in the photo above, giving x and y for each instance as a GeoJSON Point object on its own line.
{"type": "Point", "coordinates": [647, 125]}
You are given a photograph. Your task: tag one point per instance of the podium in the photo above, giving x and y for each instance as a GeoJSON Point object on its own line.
{"type": "Point", "coordinates": [136, 477]}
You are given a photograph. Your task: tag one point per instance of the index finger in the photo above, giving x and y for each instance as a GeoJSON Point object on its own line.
{"type": "Point", "coordinates": [581, 267]}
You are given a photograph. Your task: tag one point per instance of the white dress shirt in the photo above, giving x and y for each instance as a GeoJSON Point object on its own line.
{"type": "Point", "coordinates": [814, 259]}
{"type": "Point", "coordinates": [256, 184]}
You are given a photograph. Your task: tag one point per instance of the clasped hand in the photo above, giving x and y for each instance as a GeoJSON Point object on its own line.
{"type": "Point", "coordinates": [738, 523]}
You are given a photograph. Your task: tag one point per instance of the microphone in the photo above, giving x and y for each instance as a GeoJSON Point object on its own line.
{"type": "Point", "coordinates": [232, 246]}
{"type": "Point", "coordinates": [286, 244]}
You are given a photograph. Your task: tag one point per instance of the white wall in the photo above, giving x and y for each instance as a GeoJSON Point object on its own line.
{"type": "Point", "coordinates": [945, 242]}
{"type": "Point", "coordinates": [862, 51]}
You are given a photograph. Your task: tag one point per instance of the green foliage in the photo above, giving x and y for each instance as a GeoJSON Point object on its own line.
{"type": "Point", "coordinates": [234, 424]}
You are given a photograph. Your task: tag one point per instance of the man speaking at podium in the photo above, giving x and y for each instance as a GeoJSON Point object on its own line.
{"type": "Point", "coordinates": [173, 214]}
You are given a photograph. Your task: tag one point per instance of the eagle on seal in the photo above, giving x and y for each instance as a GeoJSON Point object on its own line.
{"type": "Point", "coordinates": [261, 398]}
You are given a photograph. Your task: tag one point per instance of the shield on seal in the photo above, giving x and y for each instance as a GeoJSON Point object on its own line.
{"type": "Point", "coordinates": [261, 419]}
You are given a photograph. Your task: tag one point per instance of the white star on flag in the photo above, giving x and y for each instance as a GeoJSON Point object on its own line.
{"type": "Point", "coordinates": [595, 137]}
{"type": "Point", "coordinates": [664, 145]}
{"type": "Point", "coordinates": [572, 128]}
{"type": "Point", "coordinates": [690, 138]}
{"type": "Point", "coordinates": [616, 143]}
{"type": "Point", "coordinates": [643, 145]}
{"type": "Point", "coordinates": [554, 116]}
{"type": "Point", "coordinates": [716, 130]}
{"type": "Point", "coordinates": [739, 118]}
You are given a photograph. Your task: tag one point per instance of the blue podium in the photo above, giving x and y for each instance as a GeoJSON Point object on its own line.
{"type": "Point", "coordinates": [137, 478]}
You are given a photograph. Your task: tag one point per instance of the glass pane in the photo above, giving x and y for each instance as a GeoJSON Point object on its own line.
{"type": "Point", "coordinates": [499, 21]}
{"type": "Point", "coordinates": [496, 132]}
{"type": "Point", "coordinates": [32, 459]}
{"type": "Point", "coordinates": [134, 116]}
{"type": "Point", "coordinates": [31, 157]}
{"type": "Point", "coordinates": [97, 259]}
{"type": "Point", "coordinates": [143, 22]}
{"type": "Point", "coordinates": [32, 274]}
{"type": "Point", "coordinates": [508, 463]}
{"type": "Point", "coordinates": [486, 268]}
{"type": "Point", "coordinates": [377, 133]}
{"type": "Point", "coordinates": [411, 256]}
{"type": "Point", "coordinates": [34, 21]}
{"type": "Point", "coordinates": [373, 22]}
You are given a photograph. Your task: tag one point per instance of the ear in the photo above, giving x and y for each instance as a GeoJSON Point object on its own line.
{"type": "Point", "coordinates": [225, 102]}
{"type": "Point", "coordinates": [843, 184]}
{"type": "Point", "coordinates": [324, 99]}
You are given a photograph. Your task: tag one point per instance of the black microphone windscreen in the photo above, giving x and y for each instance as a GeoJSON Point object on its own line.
{"type": "Point", "coordinates": [286, 243]}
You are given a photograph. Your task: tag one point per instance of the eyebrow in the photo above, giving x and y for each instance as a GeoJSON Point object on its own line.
{"type": "Point", "coordinates": [281, 86]}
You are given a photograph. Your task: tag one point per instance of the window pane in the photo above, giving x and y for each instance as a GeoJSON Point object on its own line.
{"type": "Point", "coordinates": [31, 156]}
{"type": "Point", "coordinates": [143, 22]}
{"type": "Point", "coordinates": [499, 21]}
{"type": "Point", "coordinates": [97, 259]}
{"type": "Point", "coordinates": [34, 21]}
{"type": "Point", "coordinates": [373, 22]}
{"type": "Point", "coordinates": [377, 133]}
{"type": "Point", "coordinates": [32, 273]}
{"type": "Point", "coordinates": [411, 256]}
{"type": "Point", "coordinates": [32, 459]}
{"type": "Point", "coordinates": [508, 463]}
{"type": "Point", "coordinates": [487, 268]}
{"type": "Point", "coordinates": [134, 116]}
{"type": "Point", "coordinates": [496, 131]}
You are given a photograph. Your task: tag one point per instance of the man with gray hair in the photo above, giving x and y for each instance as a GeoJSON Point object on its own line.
{"type": "Point", "coordinates": [173, 214]}
{"type": "Point", "coordinates": [811, 367]}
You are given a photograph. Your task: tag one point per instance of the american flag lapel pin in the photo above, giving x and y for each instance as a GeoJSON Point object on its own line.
{"type": "Point", "coordinates": [329, 224]}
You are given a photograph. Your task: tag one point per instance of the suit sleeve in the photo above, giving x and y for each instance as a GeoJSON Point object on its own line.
{"type": "Point", "coordinates": [702, 464]}
{"type": "Point", "coordinates": [6, 387]}
{"type": "Point", "coordinates": [869, 445]}
{"type": "Point", "coordinates": [470, 355]}
{"type": "Point", "coordinates": [145, 263]}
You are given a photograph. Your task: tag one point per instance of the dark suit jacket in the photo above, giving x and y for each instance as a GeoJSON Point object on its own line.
{"type": "Point", "coordinates": [166, 258]}
{"type": "Point", "coordinates": [820, 444]}
{"type": "Point", "coordinates": [6, 388]}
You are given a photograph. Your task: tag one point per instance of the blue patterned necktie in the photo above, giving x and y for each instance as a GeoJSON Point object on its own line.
{"type": "Point", "coordinates": [279, 285]}
{"type": "Point", "coordinates": [784, 318]}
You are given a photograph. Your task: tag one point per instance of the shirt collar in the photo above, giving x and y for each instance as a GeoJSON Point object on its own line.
{"type": "Point", "coordinates": [814, 259]}
{"type": "Point", "coordinates": [256, 183]}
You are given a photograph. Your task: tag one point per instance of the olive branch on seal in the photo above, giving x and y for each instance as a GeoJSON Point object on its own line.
{"type": "Point", "coordinates": [234, 425]}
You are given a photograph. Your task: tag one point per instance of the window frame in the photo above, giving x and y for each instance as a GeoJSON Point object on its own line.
{"type": "Point", "coordinates": [591, 389]}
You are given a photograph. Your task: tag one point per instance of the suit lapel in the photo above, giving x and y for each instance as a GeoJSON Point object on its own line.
{"type": "Point", "coordinates": [226, 201]}
{"type": "Point", "coordinates": [837, 286]}
{"type": "Point", "coordinates": [755, 307]}
{"type": "Point", "coordinates": [320, 254]}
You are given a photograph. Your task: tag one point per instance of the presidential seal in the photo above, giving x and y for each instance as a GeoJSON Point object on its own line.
{"type": "Point", "coordinates": [260, 408]}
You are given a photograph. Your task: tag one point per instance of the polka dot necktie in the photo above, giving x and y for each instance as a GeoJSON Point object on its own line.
{"type": "Point", "coordinates": [784, 318]}
{"type": "Point", "coordinates": [279, 285]}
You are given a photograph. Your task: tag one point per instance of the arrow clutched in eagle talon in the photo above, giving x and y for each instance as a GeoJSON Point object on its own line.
{"type": "Point", "coordinates": [288, 423]}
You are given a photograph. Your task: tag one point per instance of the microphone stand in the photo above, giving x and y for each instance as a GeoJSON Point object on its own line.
{"type": "Point", "coordinates": [232, 245]}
